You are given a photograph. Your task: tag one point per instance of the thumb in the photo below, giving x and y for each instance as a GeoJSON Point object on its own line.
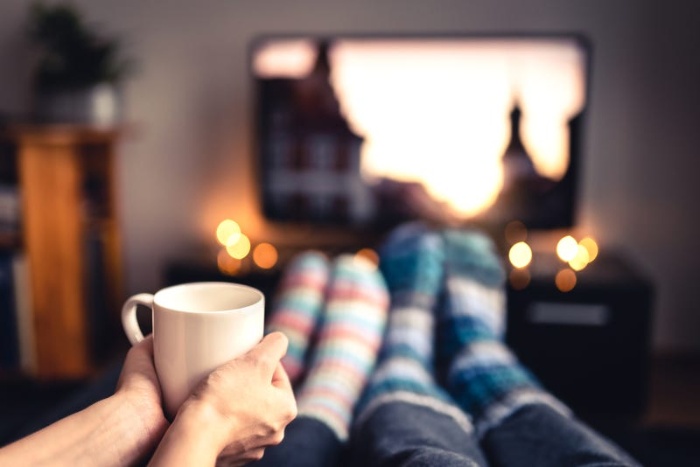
{"type": "Point", "coordinates": [270, 351]}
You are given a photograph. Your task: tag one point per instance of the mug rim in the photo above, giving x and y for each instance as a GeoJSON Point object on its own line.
{"type": "Point", "coordinates": [259, 300]}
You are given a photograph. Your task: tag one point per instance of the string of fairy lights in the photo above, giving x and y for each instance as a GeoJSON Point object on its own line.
{"type": "Point", "coordinates": [575, 256]}
{"type": "Point", "coordinates": [237, 254]}
{"type": "Point", "coordinates": [236, 247]}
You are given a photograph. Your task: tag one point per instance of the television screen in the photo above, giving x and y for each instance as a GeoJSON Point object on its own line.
{"type": "Point", "coordinates": [368, 131]}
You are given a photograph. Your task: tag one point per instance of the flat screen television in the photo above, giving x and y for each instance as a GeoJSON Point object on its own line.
{"type": "Point", "coordinates": [368, 131]}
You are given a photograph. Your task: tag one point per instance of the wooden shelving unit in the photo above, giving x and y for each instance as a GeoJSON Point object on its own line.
{"type": "Point", "coordinates": [71, 240]}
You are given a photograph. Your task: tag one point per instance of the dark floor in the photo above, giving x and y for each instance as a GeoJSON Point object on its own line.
{"type": "Point", "coordinates": [667, 435]}
{"type": "Point", "coordinates": [27, 405]}
{"type": "Point", "coordinates": [22, 401]}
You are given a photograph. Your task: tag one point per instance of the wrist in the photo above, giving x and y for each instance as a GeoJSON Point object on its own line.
{"type": "Point", "coordinates": [201, 419]}
{"type": "Point", "coordinates": [194, 437]}
{"type": "Point", "coordinates": [147, 412]}
{"type": "Point", "coordinates": [142, 423]}
{"type": "Point", "coordinates": [109, 432]}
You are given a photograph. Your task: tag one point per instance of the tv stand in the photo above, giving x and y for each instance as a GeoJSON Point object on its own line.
{"type": "Point", "coordinates": [589, 346]}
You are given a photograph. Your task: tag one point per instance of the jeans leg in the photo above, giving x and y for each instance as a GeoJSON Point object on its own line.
{"type": "Point", "coordinates": [406, 434]}
{"type": "Point", "coordinates": [307, 443]}
{"type": "Point", "coordinates": [538, 435]}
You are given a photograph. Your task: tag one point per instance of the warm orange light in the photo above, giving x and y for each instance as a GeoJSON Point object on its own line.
{"type": "Point", "coordinates": [227, 232]}
{"type": "Point", "coordinates": [368, 254]}
{"type": "Point", "coordinates": [515, 232]}
{"type": "Point", "coordinates": [239, 248]}
{"type": "Point", "coordinates": [520, 255]}
{"type": "Point", "coordinates": [285, 58]}
{"type": "Point", "coordinates": [265, 255]}
{"type": "Point", "coordinates": [581, 259]}
{"type": "Point", "coordinates": [591, 246]}
{"type": "Point", "coordinates": [227, 265]}
{"type": "Point", "coordinates": [519, 278]}
{"type": "Point", "coordinates": [567, 248]}
{"type": "Point", "coordinates": [565, 280]}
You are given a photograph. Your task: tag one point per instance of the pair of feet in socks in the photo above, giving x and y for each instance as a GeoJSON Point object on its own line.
{"type": "Point", "coordinates": [442, 346]}
{"type": "Point", "coordinates": [334, 315]}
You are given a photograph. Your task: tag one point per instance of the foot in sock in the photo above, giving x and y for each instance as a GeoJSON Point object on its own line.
{"type": "Point", "coordinates": [297, 307]}
{"type": "Point", "coordinates": [351, 333]}
{"type": "Point", "coordinates": [412, 263]}
{"type": "Point", "coordinates": [482, 374]}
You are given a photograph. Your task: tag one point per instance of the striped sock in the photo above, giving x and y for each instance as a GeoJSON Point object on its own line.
{"type": "Point", "coordinates": [298, 306]}
{"type": "Point", "coordinates": [412, 264]}
{"type": "Point", "coordinates": [349, 340]}
{"type": "Point", "coordinates": [483, 375]}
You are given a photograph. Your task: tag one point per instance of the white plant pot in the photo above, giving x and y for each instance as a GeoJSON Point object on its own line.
{"type": "Point", "coordinates": [100, 105]}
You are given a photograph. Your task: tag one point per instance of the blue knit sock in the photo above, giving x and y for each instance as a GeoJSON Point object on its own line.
{"type": "Point", "coordinates": [482, 374]}
{"type": "Point", "coordinates": [412, 263]}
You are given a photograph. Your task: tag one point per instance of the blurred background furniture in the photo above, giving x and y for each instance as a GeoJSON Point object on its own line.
{"type": "Point", "coordinates": [70, 236]}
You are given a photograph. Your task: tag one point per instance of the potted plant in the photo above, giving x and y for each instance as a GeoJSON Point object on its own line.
{"type": "Point", "coordinates": [78, 71]}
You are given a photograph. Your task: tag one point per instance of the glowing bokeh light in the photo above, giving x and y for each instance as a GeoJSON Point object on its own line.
{"type": "Point", "coordinates": [591, 246]}
{"type": "Point", "coordinates": [285, 58]}
{"type": "Point", "coordinates": [581, 259]}
{"type": "Point", "coordinates": [565, 280]}
{"type": "Point", "coordinates": [226, 264]}
{"type": "Point", "coordinates": [519, 278]}
{"type": "Point", "coordinates": [567, 248]}
{"type": "Point", "coordinates": [226, 231]}
{"type": "Point", "coordinates": [265, 255]}
{"type": "Point", "coordinates": [520, 255]}
{"type": "Point", "coordinates": [515, 232]}
{"type": "Point", "coordinates": [239, 248]}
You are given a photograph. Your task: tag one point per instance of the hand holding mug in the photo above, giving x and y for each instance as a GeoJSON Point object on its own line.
{"type": "Point", "coordinates": [234, 413]}
{"type": "Point", "coordinates": [197, 327]}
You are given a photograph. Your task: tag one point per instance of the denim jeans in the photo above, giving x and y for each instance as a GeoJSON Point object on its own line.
{"type": "Point", "coordinates": [307, 442]}
{"type": "Point", "coordinates": [404, 434]}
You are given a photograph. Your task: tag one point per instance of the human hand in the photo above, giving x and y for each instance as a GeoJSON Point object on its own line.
{"type": "Point", "coordinates": [138, 380]}
{"type": "Point", "coordinates": [235, 413]}
{"type": "Point", "coordinates": [138, 390]}
{"type": "Point", "coordinates": [122, 429]}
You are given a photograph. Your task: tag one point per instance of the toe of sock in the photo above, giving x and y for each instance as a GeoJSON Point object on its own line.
{"type": "Point", "coordinates": [472, 253]}
{"type": "Point", "coordinates": [412, 260]}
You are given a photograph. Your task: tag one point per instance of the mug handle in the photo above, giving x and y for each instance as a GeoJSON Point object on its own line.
{"type": "Point", "coordinates": [129, 321]}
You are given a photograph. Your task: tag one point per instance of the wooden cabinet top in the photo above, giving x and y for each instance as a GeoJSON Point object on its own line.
{"type": "Point", "coordinates": [60, 134]}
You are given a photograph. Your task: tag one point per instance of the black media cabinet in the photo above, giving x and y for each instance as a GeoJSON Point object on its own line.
{"type": "Point", "coordinates": [590, 346]}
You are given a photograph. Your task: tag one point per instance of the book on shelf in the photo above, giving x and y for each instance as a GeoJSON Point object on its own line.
{"type": "Point", "coordinates": [9, 339]}
{"type": "Point", "coordinates": [24, 314]}
{"type": "Point", "coordinates": [96, 297]}
{"type": "Point", "coordinates": [17, 350]}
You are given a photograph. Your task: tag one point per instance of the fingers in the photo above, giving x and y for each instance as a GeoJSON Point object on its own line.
{"type": "Point", "coordinates": [251, 456]}
{"type": "Point", "coordinates": [280, 379]}
{"type": "Point", "coordinates": [247, 402]}
{"type": "Point", "coordinates": [269, 352]}
{"type": "Point", "coordinates": [145, 347]}
{"type": "Point", "coordinates": [140, 355]}
{"type": "Point", "coordinates": [274, 344]}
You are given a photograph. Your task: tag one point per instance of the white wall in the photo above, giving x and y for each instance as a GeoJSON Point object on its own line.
{"type": "Point", "coordinates": [187, 163]}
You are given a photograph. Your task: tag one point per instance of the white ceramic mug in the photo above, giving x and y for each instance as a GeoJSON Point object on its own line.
{"type": "Point", "coordinates": [196, 328]}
